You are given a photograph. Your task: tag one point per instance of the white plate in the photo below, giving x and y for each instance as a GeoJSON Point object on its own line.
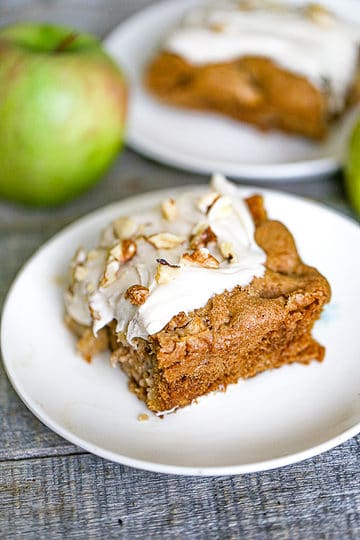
{"type": "Point", "coordinates": [203, 142]}
{"type": "Point", "coordinates": [274, 419]}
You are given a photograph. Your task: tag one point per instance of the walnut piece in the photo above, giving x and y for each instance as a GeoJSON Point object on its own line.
{"type": "Point", "coordinates": [169, 209]}
{"type": "Point", "coordinates": [227, 251]}
{"type": "Point", "coordinates": [165, 272]}
{"type": "Point", "coordinates": [202, 236]}
{"type": "Point", "coordinates": [80, 272]}
{"type": "Point", "coordinates": [200, 257]}
{"type": "Point", "coordinates": [246, 5]}
{"type": "Point", "coordinates": [110, 273]}
{"type": "Point", "coordinates": [137, 294]}
{"type": "Point", "coordinates": [79, 257]}
{"type": "Point", "coordinates": [124, 227]}
{"type": "Point", "coordinates": [206, 201]}
{"type": "Point", "coordinates": [120, 253]}
{"type": "Point", "coordinates": [165, 240]}
{"type": "Point", "coordinates": [319, 15]}
{"type": "Point", "coordinates": [124, 251]}
{"type": "Point", "coordinates": [217, 27]}
{"type": "Point", "coordinates": [220, 209]}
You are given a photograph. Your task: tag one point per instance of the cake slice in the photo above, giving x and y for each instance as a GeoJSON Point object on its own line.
{"type": "Point", "coordinates": [217, 293]}
{"type": "Point", "coordinates": [276, 66]}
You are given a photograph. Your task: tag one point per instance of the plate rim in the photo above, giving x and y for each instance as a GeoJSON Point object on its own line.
{"type": "Point", "coordinates": [301, 170]}
{"type": "Point", "coordinates": [38, 411]}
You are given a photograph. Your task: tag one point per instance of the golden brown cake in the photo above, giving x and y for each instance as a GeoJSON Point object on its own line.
{"type": "Point", "coordinates": [289, 68]}
{"type": "Point", "coordinates": [263, 321]}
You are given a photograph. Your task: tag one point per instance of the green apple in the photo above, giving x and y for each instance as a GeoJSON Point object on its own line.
{"type": "Point", "coordinates": [62, 112]}
{"type": "Point", "coordinates": [352, 169]}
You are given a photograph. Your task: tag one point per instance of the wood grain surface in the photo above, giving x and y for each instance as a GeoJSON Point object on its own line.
{"type": "Point", "coordinates": [51, 489]}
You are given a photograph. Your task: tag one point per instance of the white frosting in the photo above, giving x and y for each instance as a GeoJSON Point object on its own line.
{"type": "Point", "coordinates": [321, 48]}
{"type": "Point", "coordinates": [192, 286]}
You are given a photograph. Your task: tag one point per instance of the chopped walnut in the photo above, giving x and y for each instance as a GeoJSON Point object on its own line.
{"type": "Point", "coordinates": [169, 209]}
{"type": "Point", "coordinates": [124, 227]}
{"type": "Point", "coordinates": [79, 257]}
{"type": "Point", "coordinates": [206, 201]}
{"type": "Point", "coordinates": [137, 294]}
{"type": "Point", "coordinates": [120, 253]}
{"type": "Point", "coordinates": [80, 272]}
{"type": "Point", "coordinates": [165, 240]}
{"type": "Point", "coordinates": [165, 272]}
{"type": "Point", "coordinates": [217, 27]}
{"type": "Point", "coordinates": [220, 209]}
{"type": "Point", "coordinates": [246, 5]}
{"type": "Point", "coordinates": [124, 251]}
{"type": "Point", "coordinates": [110, 273]}
{"type": "Point", "coordinates": [319, 14]}
{"type": "Point", "coordinates": [202, 236]}
{"type": "Point", "coordinates": [227, 251]}
{"type": "Point", "coordinates": [200, 257]}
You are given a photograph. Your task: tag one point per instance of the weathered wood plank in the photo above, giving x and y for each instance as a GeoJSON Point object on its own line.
{"type": "Point", "coordinates": [98, 16]}
{"type": "Point", "coordinates": [85, 497]}
{"type": "Point", "coordinates": [22, 435]}
{"type": "Point", "coordinates": [47, 491]}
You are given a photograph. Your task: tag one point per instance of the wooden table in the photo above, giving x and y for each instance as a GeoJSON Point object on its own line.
{"type": "Point", "coordinates": [51, 489]}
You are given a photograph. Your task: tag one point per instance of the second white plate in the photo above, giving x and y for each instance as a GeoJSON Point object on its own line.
{"type": "Point", "coordinates": [203, 142]}
{"type": "Point", "coordinates": [274, 419]}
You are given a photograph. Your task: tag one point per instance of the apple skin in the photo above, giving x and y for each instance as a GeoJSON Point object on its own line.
{"type": "Point", "coordinates": [352, 169]}
{"type": "Point", "coordinates": [62, 113]}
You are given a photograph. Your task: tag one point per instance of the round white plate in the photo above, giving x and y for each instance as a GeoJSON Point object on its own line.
{"type": "Point", "coordinates": [274, 419]}
{"type": "Point", "coordinates": [204, 142]}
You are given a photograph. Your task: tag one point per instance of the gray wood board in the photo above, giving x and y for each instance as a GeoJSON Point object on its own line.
{"type": "Point", "coordinates": [52, 489]}
{"type": "Point", "coordinates": [85, 497]}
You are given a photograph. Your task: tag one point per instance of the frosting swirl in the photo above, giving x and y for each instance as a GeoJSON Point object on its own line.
{"type": "Point", "coordinates": [307, 40]}
{"type": "Point", "coordinates": [173, 258]}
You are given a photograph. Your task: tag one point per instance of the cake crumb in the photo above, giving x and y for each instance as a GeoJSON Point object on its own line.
{"type": "Point", "coordinates": [143, 417]}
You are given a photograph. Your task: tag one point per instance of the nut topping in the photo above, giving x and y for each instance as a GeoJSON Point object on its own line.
{"type": "Point", "coordinates": [124, 227]}
{"type": "Point", "coordinates": [79, 257]}
{"type": "Point", "coordinates": [137, 294]}
{"type": "Point", "coordinates": [169, 209]}
{"type": "Point", "coordinates": [200, 257]}
{"type": "Point", "coordinates": [80, 272]}
{"type": "Point", "coordinates": [220, 209]}
{"type": "Point", "coordinates": [165, 272]}
{"type": "Point", "coordinates": [165, 240]}
{"type": "Point", "coordinates": [206, 201]}
{"type": "Point", "coordinates": [110, 273]}
{"type": "Point", "coordinates": [119, 254]}
{"type": "Point", "coordinates": [227, 251]}
{"type": "Point", "coordinates": [246, 5]}
{"type": "Point", "coordinates": [124, 251]}
{"type": "Point", "coordinates": [319, 14]}
{"type": "Point", "coordinates": [217, 27]}
{"type": "Point", "coordinates": [202, 236]}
